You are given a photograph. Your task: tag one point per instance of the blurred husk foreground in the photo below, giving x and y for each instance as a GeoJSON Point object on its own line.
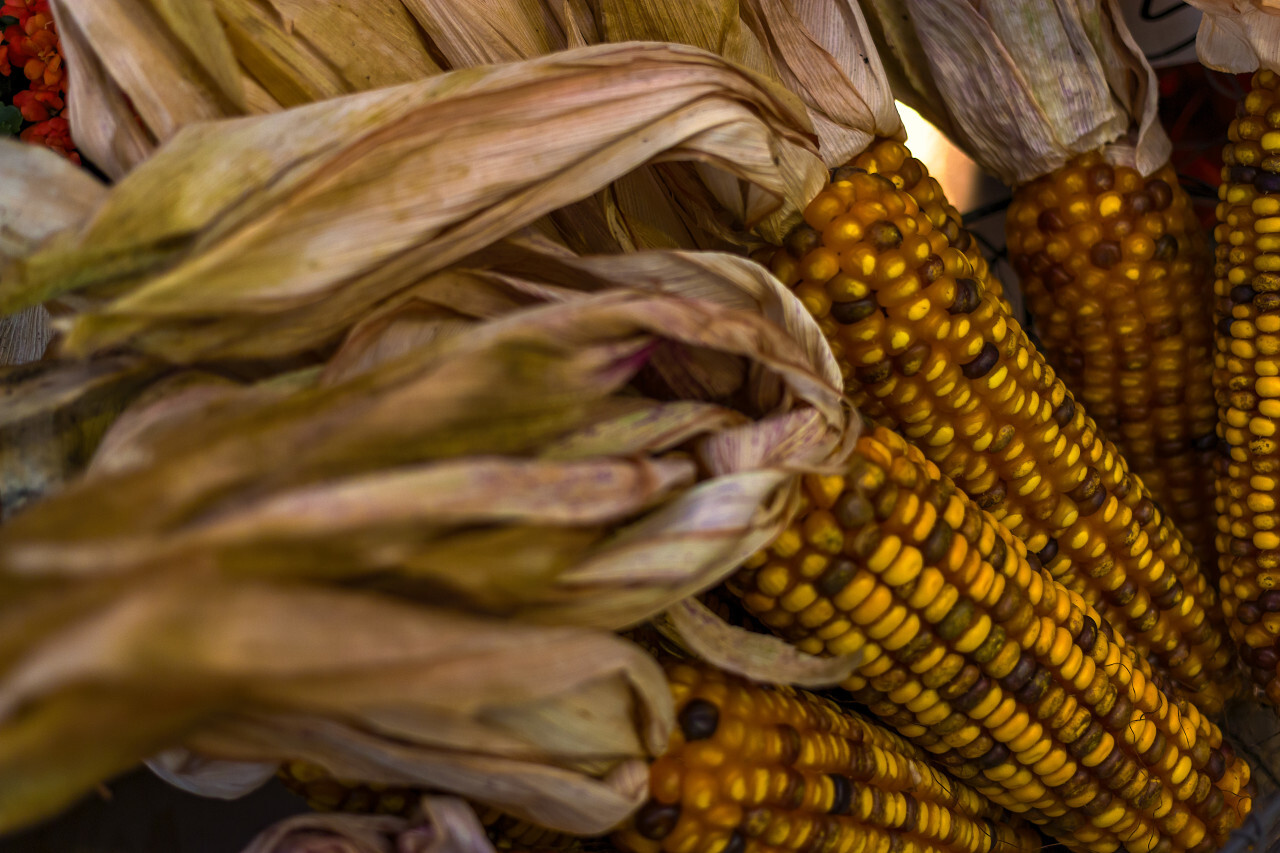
{"type": "Point", "coordinates": [566, 425]}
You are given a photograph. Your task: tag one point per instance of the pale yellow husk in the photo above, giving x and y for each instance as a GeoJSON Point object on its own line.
{"type": "Point", "coordinates": [1239, 35]}
{"type": "Point", "coordinates": [1023, 85]}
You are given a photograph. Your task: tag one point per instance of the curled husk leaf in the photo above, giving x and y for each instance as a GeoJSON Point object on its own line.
{"type": "Point", "coordinates": [764, 658]}
{"type": "Point", "coordinates": [207, 777]}
{"type": "Point", "coordinates": [1238, 36]}
{"type": "Point", "coordinates": [264, 237]}
{"type": "Point", "coordinates": [508, 448]}
{"type": "Point", "coordinates": [439, 825]}
{"type": "Point", "coordinates": [553, 724]}
{"type": "Point", "coordinates": [1024, 86]}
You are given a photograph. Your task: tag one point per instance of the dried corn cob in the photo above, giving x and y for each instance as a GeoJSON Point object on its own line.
{"type": "Point", "coordinates": [1115, 268]}
{"type": "Point", "coordinates": [926, 347]}
{"type": "Point", "coordinates": [892, 159]}
{"type": "Point", "coordinates": [976, 653]}
{"type": "Point", "coordinates": [759, 768]}
{"type": "Point", "coordinates": [762, 769]}
{"type": "Point", "coordinates": [1245, 379]}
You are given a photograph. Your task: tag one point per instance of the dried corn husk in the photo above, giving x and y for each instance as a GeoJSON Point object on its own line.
{"type": "Point", "coordinates": [266, 236]}
{"type": "Point", "coordinates": [51, 416]}
{"type": "Point", "coordinates": [40, 192]}
{"type": "Point", "coordinates": [506, 448]}
{"type": "Point", "coordinates": [1239, 35]}
{"type": "Point", "coordinates": [143, 69]}
{"type": "Point", "coordinates": [554, 724]}
{"type": "Point", "coordinates": [445, 825]}
{"type": "Point", "coordinates": [1024, 86]}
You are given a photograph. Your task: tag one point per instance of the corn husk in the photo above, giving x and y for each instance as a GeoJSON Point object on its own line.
{"type": "Point", "coordinates": [549, 723]}
{"type": "Point", "coordinates": [40, 192]}
{"type": "Point", "coordinates": [507, 447]}
{"type": "Point", "coordinates": [143, 69]}
{"type": "Point", "coordinates": [1238, 36]}
{"type": "Point", "coordinates": [265, 236]}
{"type": "Point", "coordinates": [1024, 86]}
{"type": "Point", "coordinates": [445, 825]}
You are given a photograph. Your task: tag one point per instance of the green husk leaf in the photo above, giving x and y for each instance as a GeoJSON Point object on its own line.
{"type": "Point", "coordinates": [264, 236]}
{"type": "Point", "coordinates": [565, 705]}
{"type": "Point", "coordinates": [1023, 87]}
{"type": "Point", "coordinates": [1238, 36]}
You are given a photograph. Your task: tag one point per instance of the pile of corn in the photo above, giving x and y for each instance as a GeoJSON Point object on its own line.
{"type": "Point", "coordinates": [586, 426]}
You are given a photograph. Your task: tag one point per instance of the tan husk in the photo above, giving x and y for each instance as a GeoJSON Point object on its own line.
{"type": "Point", "coordinates": [40, 192]}
{"type": "Point", "coordinates": [1239, 35]}
{"type": "Point", "coordinates": [208, 777]}
{"type": "Point", "coordinates": [438, 825]}
{"type": "Point", "coordinates": [1024, 86]}
{"type": "Point", "coordinates": [506, 448]}
{"type": "Point", "coordinates": [266, 236]}
{"type": "Point", "coordinates": [140, 70]}
{"type": "Point", "coordinates": [760, 657]}
{"type": "Point", "coordinates": [543, 722]}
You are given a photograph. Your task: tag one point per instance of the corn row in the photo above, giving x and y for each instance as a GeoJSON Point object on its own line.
{"type": "Point", "coordinates": [1115, 270]}
{"type": "Point", "coordinates": [758, 769]}
{"type": "Point", "coordinates": [973, 651]}
{"type": "Point", "coordinates": [1247, 380]}
{"type": "Point", "coordinates": [927, 348]}
{"type": "Point", "coordinates": [893, 160]}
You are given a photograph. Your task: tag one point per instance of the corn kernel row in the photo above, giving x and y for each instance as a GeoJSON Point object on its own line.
{"type": "Point", "coordinates": [974, 651]}
{"type": "Point", "coordinates": [755, 769]}
{"type": "Point", "coordinates": [1247, 380]}
{"type": "Point", "coordinates": [927, 348]}
{"type": "Point", "coordinates": [1115, 270]}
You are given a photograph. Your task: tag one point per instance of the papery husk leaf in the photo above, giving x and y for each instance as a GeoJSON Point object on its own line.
{"type": "Point", "coordinates": [40, 192]}
{"type": "Point", "coordinates": [437, 825]}
{"type": "Point", "coordinates": [117, 50]}
{"type": "Point", "coordinates": [206, 777]}
{"type": "Point", "coordinates": [264, 236]}
{"type": "Point", "coordinates": [823, 51]}
{"type": "Point", "coordinates": [550, 796]}
{"type": "Point", "coordinates": [760, 657]}
{"type": "Point", "coordinates": [301, 51]}
{"type": "Point", "coordinates": [1026, 88]}
{"type": "Point", "coordinates": [1238, 36]}
{"type": "Point", "coordinates": [52, 417]}
{"type": "Point", "coordinates": [333, 833]}
{"type": "Point", "coordinates": [506, 387]}
{"type": "Point", "coordinates": [578, 703]}
{"type": "Point", "coordinates": [485, 32]}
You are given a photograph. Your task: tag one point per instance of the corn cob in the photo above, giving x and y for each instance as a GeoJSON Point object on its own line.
{"type": "Point", "coordinates": [924, 346]}
{"type": "Point", "coordinates": [973, 651]}
{"type": "Point", "coordinates": [753, 768]}
{"type": "Point", "coordinates": [893, 160]}
{"type": "Point", "coordinates": [1247, 291]}
{"type": "Point", "coordinates": [1114, 268]}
